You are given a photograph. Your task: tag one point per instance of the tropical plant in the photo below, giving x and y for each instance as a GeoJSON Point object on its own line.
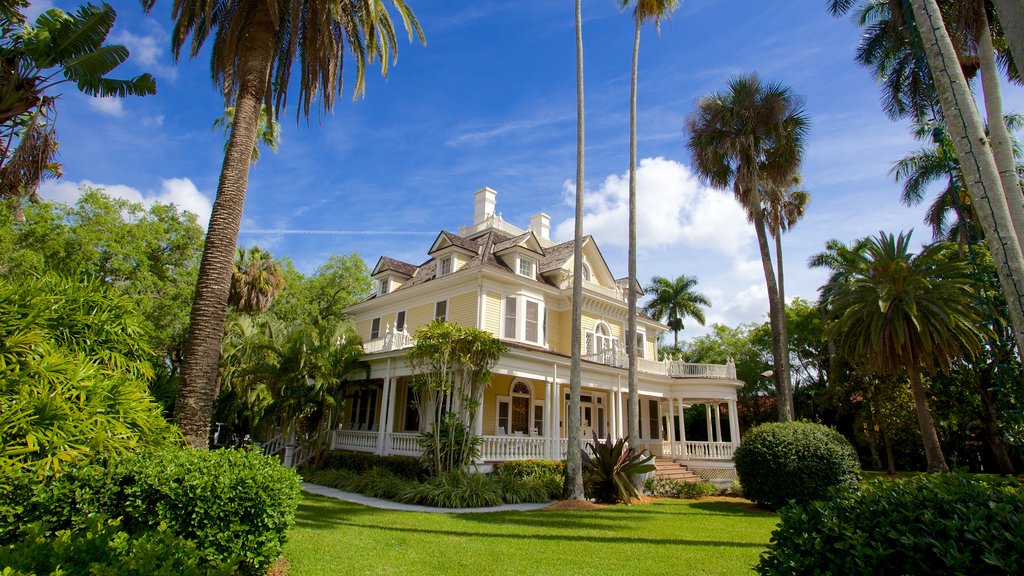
{"type": "Point", "coordinates": [254, 47]}
{"type": "Point", "coordinates": [573, 484]}
{"type": "Point", "coordinates": [898, 313]}
{"type": "Point", "coordinates": [255, 281]}
{"type": "Point", "coordinates": [784, 206]}
{"type": "Point", "coordinates": [35, 60]}
{"type": "Point", "coordinates": [74, 364]}
{"type": "Point", "coordinates": [611, 466]}
{"type": "Point", "coordinates": [672, 300]}
{"type": "Point", "coordinates": [268, 129]}
{"type": "Point", "coordinates": [745, 137]}
{"type": "Point", "coordinates": [643, 11]}
{"type": "Point", "coordinates": [452, 365]}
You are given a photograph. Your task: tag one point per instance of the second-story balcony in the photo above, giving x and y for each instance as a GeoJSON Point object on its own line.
{"type": "Point", "coordinates": [391, 340]}
{"type": "Point", "coordinates": [616, 356]}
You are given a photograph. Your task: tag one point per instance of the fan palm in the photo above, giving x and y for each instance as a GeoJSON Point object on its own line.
{"type": "Point", "coordinates": [744, 137]}
{"type": "Point", "coordinates": [784, 206]}
{"type": "Point", "coordinates": [255, 44]}
{"type": "Point", "coordinates": [672, 300]}
{"type": "Point", "coordinates": [901, 313]}
{"type": "Point", "coordinates": [256, 280]}
{"type": "Point", "coordinates": [643, 11]}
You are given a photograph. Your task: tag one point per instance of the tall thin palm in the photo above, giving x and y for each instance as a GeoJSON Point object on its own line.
{"type": "Point", "coordinates": [673, 300]}
{"type": "Point", "coordinates": [643, 11]}
{"type": "Point", "coordinates": [901, 313]}
{"type": "Point", "coordinates": [750, 134]}
{"type": "Point", "coordinates": [573, 487]}
{"type": "Point", "coordinates": [254, 46]}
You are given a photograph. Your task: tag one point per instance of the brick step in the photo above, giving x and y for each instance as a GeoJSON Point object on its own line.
{"type": "Point", "coordinates": [668, 469]}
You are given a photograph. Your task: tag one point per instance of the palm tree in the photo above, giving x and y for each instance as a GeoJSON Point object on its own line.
{"type": "Point", "coordinates": [1011, 18]}
{"type": "Point", "coordinates": [59, 48]}
{"type": "Point", "coordinates": [254, 46]}
{"type": "Point", "coordinates": [573, 486]}
{"type": "Point", "coordinates": [675, 299]}
{"type": "Point", "coordinates": [256, 280]}
{"type": "Point", "coordinates": [269, 130]}
{"type": "Point", "coordinates": [899, 313]}
{"type": "Point", "coordinates": [744, 137]}
{"type": "Point", "coordinates": [643, 11]}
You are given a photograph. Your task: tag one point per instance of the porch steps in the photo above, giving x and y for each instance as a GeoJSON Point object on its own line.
{"type": "Point", "coordinates": [666, 468]}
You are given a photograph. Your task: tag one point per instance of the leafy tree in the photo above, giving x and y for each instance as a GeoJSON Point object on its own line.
{"type": "Point", "coordinates": [899, 312]}
{"type": "Point", "coordinates": [749, 135]}
{"type": "Point", "coordinates": [254, 47]}
{"type": "Point", "coordinates": [35, 60]}
{"type": "Point", "coordinates": [321, 298]}
{"type": "Point", "coordinates": [675, 299]}
{"type": "Point", "coordinates": [453, 368]}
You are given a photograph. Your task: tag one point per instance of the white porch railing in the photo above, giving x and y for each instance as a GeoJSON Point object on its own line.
{"type": "Point", "coordinates": [274, 445]}
{"type": "Point", "coordinates": [404, 444]}
{"type": "Point", "coordinates": [678, 369]}
{"type": "Point", "coordinates": [695, 450]}
{"type": "Point", "coordinates": [391, 340]}
{"type": "Point", "coordinates": [358, 440]}
{"type": "Point", "coordinates": [513, 448]}
{"type": "Point", "coordinates": [616, 356]}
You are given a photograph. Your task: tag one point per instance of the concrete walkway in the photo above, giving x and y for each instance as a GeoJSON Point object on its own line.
{"type": "Point", "coordinates": [391, 505]}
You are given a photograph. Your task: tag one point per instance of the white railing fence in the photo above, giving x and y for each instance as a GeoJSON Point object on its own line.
{"type": "Point", "coordinates": [695, 450]}
{"type": "Point", "coordinates": [274, 445]}
{"type": "Point", "coordinates": [404, 444]}
{"type": "Point", "coordinates": [358, 440]}
{"type": "Point", "coordinates": [513, 448]}
{"type": "Point", "coordinates": [391, 340]}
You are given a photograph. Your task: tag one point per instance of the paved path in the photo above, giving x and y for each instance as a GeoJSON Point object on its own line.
{"type": "Point", "coordinates": [391, 505]}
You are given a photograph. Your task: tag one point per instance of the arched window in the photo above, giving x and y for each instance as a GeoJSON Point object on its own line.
{"type": "Point", "coordinates": [520, 422]}
{"type": "Point", "coordinates": [586, 272]}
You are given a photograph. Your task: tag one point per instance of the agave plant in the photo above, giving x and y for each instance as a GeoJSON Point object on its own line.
{"type": "Point", "coordinates": [610, 465]}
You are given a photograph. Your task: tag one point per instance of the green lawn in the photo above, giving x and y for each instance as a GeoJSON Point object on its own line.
{"type": "Point", "coordinates": [665, 537]}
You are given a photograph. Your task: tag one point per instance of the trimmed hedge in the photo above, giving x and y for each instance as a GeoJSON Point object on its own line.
{"type": "Point", "coordinates": [548, 473]}
{"type": "Point", "coordinates": [234, 507]}
{"type": "Point", "coordinates": [672, 488]}
{"type": "Point", "coordinates": [784, 462]}
{"type": "Point", "coordinates": [934, 524]}
{"type": "Point", "coordinates": [401, 466]}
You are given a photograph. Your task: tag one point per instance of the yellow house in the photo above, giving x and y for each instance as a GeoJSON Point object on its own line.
{"type": "Point", "coordinates": [517, 285]}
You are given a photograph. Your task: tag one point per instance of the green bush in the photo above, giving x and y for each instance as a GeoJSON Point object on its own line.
{"type": "Point", "coordinates": [934, 524]}
{"type": "Point", "coordinates": [794, 461]}
{"type": "Point", "coordinates": [234, 507]}
{"type": "Point", "coordinates": [401, 466]}
{"type": "Point", "coordinates": [101, 546]}
{"type": "Point", "coordinates": [457, 489]}
{"type": "Point", "coordinates": [549, 474]}
{"type": "Point", "coordinates": [672, 488]}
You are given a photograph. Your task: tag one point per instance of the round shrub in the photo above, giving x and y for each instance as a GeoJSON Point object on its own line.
{"type": "Point", "coordinates": [794, 461]}
{"type": "Point", "coordinates": [934, 524]}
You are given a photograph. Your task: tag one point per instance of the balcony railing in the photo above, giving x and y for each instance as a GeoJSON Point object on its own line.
{"type": "Point", "coordinates": [391, 340]}
{"type": "Point", "coordinates": [616, 356]}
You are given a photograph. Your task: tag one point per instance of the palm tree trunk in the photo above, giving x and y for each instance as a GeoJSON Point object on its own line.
{"type": "Point", "coordinates": [785, 322]}
{"type": "Point", "coordinates": [779, 348]}
{"type": "Point", "coordinates": [999, 136]}
{"type": "Point", "coordinates": [976, 160]}
{"type": "Point", "coordinates": [1011, 18]}
{"type": "Point", "coordinates": [993, 437]}
{"type": "Point", "coordinates": [932, 449]}
{"type": "Point", "coordinates": [194, 407]}
{"type": "Point", "coordinates": [573, 486]}
{"type": "Point", "coordinates": [633, 404]}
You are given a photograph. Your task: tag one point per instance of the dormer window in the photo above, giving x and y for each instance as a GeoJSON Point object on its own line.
{"type": "Point", "coordinates": [385, 285]}
{"type": "Point", "coordinates": [526, 267]}
{"type": "Point", "coordinates": [445, 265]}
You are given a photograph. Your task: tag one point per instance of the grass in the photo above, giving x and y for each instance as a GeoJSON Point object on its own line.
{"type": "Point", "coordinates": [665, 537]}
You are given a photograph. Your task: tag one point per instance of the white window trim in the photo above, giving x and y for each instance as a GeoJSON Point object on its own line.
{"type": "Point", "coordinates": [403, 314]}
{"type": "Point", "coordinates": [383, 286]}
{"type": "Point", "coordinates": [641, 336]}
{"type": "Point", "coordinates": [520, 260]}
{"type": "Point", "coordinates": [520, 319]}
{"type": "Point", "coordinates": [447, 309]}
{"type": "Point", "coordinates": [378, 321]}
{"type": "Point", "coordinates": [450, 259]}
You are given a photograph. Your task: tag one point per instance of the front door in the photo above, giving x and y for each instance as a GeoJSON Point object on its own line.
{"type": "Point", "coordinates": [591, 415]}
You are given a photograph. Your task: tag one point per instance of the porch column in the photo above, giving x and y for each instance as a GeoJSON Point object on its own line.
{"type": "Point", "coordinates": [682, 428]}
{"type": "Point", "coordinates": [711, 431]}
{"type": "Point", "coordinates": [389, 419]}
{"type": "Point", "coordinates": [381, 421]}
{"type": "Point", "coordinates": [613, 407]}
{"type": "Point", "coordinates": [718, 421]}
{"type": "Point", "coordinates": [618, 413]}
{"type": "Point", "coordinates": [478, 420]}
{"type": "Point", "coordinates": [734, 423]}
{"type": "Point", "coordinates": [549, 425]}
{"type": "Point", "coordinates": [672, 427]}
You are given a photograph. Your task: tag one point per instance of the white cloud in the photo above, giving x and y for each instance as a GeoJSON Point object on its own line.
{"type": "Point", "coordinates": [153, 121]}
{"type": "Point", "coordinates": [181, 192]}
{"type": "Point", "coordinates": [147, 50]}
{"type": "Point", "coordinates": [110, 105]}
{"type": "Point", "coordinates": [673, 209]}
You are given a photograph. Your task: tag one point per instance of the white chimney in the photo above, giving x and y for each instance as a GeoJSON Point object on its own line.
{"type": "Point", "coordinates": [541, 225]}
{"type": "Point", "coordinates": [483, 204]}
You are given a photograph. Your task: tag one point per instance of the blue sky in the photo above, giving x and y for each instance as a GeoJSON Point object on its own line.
{"type": "Point", "coordinates": [490, 101]}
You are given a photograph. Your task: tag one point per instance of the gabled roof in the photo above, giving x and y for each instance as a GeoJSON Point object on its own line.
{"type": "Point", "coordinates": [446, 239]}
{"type": "Point", "coordinates": [527, 240]}
{"type": "Point", "coordinates": [556, 256]}
{"type": "Point", "coordinates": [623, 283]}
{"type": "Point", "coordinates": [386, 264]}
